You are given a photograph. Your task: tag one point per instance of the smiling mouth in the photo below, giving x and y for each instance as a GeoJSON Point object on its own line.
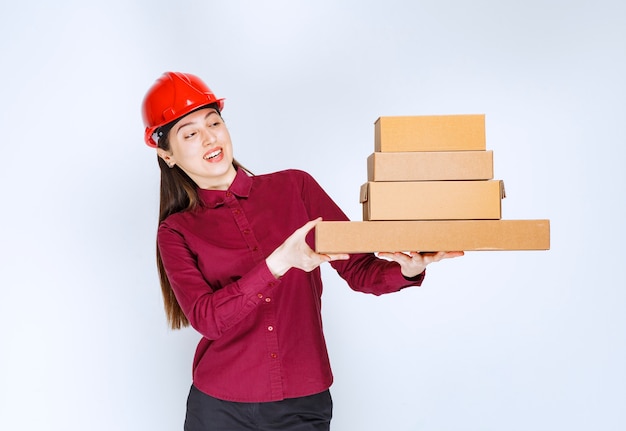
{"type": "Point", "coordinates": [212, 154]}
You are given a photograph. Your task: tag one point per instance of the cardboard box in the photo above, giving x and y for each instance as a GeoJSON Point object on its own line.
{"type": "Point", "coordinates": [430, 133]}
{"type": "Point", "coordinates": [432, 200]}
{"type": "Point", "coordinates": [430, 166]}
{"type": "Point", "coordinates": [450, 235]}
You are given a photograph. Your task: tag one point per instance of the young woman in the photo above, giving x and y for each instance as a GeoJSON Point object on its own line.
{"type": "Point", "coordinates": [236, 262]}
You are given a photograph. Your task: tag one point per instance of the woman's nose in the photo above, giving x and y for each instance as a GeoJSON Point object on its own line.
{"type": "Point", "coordinates": [208, 137]}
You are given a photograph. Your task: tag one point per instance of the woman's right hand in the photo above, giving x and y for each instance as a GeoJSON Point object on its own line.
{"type": "Point", "coordinates": [296, 253]}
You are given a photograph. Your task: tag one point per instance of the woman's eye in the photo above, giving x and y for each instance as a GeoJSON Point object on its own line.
{"type": "Point", "coordinates": [190, 135]}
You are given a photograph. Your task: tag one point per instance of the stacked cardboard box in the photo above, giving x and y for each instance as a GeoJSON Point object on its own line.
{"type": "Point", "coordinates": [430, 187]}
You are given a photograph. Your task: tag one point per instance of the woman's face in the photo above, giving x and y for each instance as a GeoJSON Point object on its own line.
{"type": "Point", "coordinates": [200, 145]}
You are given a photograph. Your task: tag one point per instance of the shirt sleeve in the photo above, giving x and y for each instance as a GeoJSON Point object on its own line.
{"type": "Point", "coordinates": [364, 272]}
{"type": "Point", "coordinates": [210, 311]}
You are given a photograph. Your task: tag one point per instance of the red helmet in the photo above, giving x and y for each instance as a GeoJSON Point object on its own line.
{"type": "Point", "coordinates": [171, 97]}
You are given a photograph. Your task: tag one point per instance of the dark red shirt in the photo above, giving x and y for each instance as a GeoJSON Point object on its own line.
{"type": "Point", "coordinates": [262, 338]}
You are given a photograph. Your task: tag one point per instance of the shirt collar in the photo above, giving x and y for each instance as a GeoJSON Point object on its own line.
{"type": "Point", "coordinates": [240, 187]}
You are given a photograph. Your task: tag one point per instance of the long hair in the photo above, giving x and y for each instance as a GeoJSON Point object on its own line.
{"type": "Point", "coordinates": [178, 193]}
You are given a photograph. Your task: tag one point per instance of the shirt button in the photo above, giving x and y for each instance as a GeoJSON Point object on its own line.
{"type": "Point", "coordinates": [270, 328]}
{"type": "Point", "coordinates": [246, 231]}
{"type": "Point", "coordinates": [236, 212]}
{"type": "Point", "coordinates": [273, 355]}
{"type": "Point", "coordinates": [228, 194]}
{"type": "Point", "coordinates": [268, 300]}
{"type": "Point", "coordinates": [260, 295]}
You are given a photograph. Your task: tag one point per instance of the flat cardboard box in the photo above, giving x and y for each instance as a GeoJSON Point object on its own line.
{"type": "Point", "coordinates": [450, 235]}
{"type": "Point", "coordinates": [432, 200]}
{"type": "Point", "coordinates": [430, 166]}
{"type": "Point", "coordinates": [430, 133]}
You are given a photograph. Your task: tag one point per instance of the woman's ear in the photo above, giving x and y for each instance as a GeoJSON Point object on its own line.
{"type": "Point", "coordinates": [167, 157]}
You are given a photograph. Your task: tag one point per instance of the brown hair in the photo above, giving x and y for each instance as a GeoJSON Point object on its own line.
{"type": "Point", "coordinates": [178, 193]}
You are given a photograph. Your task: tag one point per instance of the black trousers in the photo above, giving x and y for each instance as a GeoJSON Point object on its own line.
{"type": "Point", "coordinates": [311, 413]}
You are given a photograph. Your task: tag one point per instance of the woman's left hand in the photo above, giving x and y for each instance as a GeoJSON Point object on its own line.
{"type": "Point", "coordinates": [415, 263]}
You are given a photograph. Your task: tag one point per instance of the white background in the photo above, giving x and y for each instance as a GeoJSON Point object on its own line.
{"type": "Point", "coordinates": [492, 341]}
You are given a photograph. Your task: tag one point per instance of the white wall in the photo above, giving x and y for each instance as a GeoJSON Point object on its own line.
{"type": "Point", "coordinates": [492, 341]}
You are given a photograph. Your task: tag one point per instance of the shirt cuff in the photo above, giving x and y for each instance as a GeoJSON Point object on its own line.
{"type": "Point", "coordinates": [258, 282]}
{"type": "Point", "coordinates": [399, 279]}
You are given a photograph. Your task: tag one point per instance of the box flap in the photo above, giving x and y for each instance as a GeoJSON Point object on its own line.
{"type": "Point", "coordinates": [364, 192]}
{"type": "Point", "coordinates": [502, 191]}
